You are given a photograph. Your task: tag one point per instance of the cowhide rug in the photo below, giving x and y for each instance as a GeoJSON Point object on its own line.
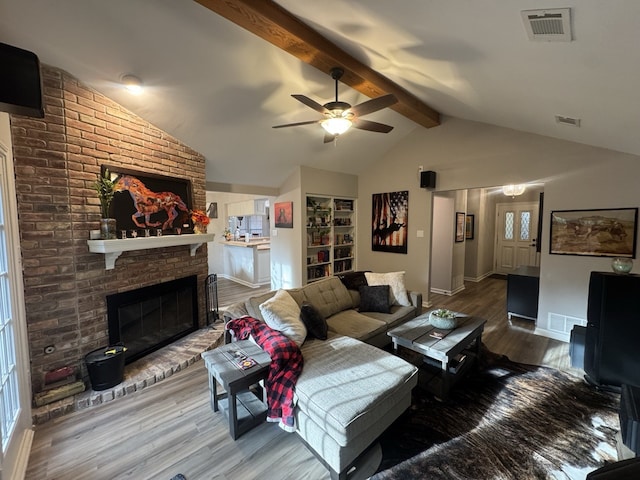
{"type": "Point", "coordinates": [504, 421]}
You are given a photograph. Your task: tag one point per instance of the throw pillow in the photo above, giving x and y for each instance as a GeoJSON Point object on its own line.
{"type": "Point", "coordinates": [282, 313]}
{"type": "Point", "coordinates": [314, 321]}
{"type": "Point", "coordinates": [395, 280]}
{"type": "Point", "coordinates": [353, 280]}
{"type": "Point", "coordinates": [374, 298]}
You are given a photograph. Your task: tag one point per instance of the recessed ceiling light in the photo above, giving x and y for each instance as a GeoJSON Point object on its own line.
{"type": "Point", "coordinates": [132, 83]}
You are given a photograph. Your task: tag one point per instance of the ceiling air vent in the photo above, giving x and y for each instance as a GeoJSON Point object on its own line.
{"type": "Point", "coordinates": [550, 25]}
{"type": "Point", "coordinates": [574, 122]}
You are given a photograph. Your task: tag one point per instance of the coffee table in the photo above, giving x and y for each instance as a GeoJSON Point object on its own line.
{"type": "Point", "coordinates": [446, 359]}
{"type": "Point", "coordinates": [244, 409]}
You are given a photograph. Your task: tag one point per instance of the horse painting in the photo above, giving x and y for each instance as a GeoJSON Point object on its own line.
{"type": "Point", "coordinates": [148, 202]}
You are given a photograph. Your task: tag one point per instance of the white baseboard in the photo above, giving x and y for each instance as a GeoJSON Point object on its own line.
{"type": "Point", "coordinates": [447, 292]}
{"type": "Point", "coordinates": [563, 337]}
{"type": "Point", "coordinates": [243, 282]}
{"type": "Point", "coordinates": [478, 279]}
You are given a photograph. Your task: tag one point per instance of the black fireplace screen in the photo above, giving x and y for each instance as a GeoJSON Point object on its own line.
{"type": "Point", "coordinates": [149, 318]}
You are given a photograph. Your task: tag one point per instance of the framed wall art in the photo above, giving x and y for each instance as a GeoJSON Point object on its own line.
{"type": "Point", "coordinates": [212, 211]}
{"type": "Point", "coordinates": [597, 233]}
{"type": "Point", "coordinates": [460, 227]}
{"type": "Point", "coordinates": [469, 226]}
{"type": "Point", "coordinates": [148, 201]}
{"type": "Point", "coordinates": [389, 218]}
{"type": "Point", "coordinates": [284, 214]}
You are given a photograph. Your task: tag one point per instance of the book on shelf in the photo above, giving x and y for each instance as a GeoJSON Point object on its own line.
{"type": "Point", "coordinates": [343, 204]}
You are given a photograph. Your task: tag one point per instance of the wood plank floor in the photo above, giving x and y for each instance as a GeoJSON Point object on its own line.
{"type": "Point", "coordinates": [230, 292]}
{"type": "Point", "coordinates": [169, 428]}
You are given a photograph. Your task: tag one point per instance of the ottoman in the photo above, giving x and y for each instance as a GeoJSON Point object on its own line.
{"type": "Point", "coordinates": [349, 392]}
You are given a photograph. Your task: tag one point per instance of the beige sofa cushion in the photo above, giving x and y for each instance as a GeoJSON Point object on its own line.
{"type": "Point", "coordinates": [282, 313]}
{"type": "Point", "coordinates": [356, 325]}
{"type": "Point", "coordinates": [328, 295]}
{"type": "Point", "coordinates": [253, 303]}
{"type": "Point", "coordinates": [398, 314]}
{"type": "Point", "coordinates": [361, 389]}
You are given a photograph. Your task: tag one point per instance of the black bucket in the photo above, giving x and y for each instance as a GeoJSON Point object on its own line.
{"type": "Point", "coordinates": [105, 366]}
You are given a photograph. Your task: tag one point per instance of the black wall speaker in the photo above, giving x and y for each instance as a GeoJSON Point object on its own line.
{"type": "Point", "coordinates": [428, 179]}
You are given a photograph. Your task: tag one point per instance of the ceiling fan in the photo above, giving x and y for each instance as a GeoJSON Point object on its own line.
{"type": "Point", "coordinates": [340, 116]}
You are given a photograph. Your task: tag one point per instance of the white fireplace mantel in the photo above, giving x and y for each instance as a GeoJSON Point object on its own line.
{"type": "Point", "coordinates": [113, 248]}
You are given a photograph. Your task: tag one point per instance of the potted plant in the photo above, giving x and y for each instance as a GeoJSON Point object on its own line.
{"type": "Point", "coordinates": [443, 318]}
{"type": "Point", "coordinates": [104, 186]}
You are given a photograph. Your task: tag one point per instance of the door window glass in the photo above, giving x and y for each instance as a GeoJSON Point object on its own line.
{"type": "Point", "coordinates": [508, 225]}
{"type": "Point", "coordinates": [525, 225]}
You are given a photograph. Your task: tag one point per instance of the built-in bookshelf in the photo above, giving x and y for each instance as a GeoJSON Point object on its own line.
{"type": "Point", "coordinates": [330, 233]}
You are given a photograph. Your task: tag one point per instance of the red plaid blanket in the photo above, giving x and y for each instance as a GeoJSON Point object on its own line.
{"type": "Point", "coordinates": [286, 365]}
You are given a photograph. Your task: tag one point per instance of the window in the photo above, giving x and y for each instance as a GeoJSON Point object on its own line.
{"type": "Point", "coordinates": [9, 398]}
{"type": "Point", "coordinates": [525, 225]}
{"type": "Point", "coordinates": [509, 222]}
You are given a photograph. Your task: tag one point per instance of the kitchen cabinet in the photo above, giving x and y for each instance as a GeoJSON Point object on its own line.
{"type": "Point", "coordinates": [248, 263]}
{"type": "Point", "coordinates": [247, 207]}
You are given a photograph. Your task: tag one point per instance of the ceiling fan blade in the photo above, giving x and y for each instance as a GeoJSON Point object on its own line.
{"type": "Point", "coordinates": [310, 103]}
{"type": "Point", "coordinates": [328, 137]}
{"type": "Point", "coordinates": [296, 124]}
{"type": "Point", "coordinates": [371, 126]}
{"type": "Point", "coordinates": [374, 105]}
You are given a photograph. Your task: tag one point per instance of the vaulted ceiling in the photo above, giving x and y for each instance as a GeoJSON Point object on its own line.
{"type": "Point", "coordinates": [219, 87]}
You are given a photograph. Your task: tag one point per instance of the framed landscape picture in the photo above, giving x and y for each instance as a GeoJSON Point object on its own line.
{"type": "Point", "coordinates": [597, 233]}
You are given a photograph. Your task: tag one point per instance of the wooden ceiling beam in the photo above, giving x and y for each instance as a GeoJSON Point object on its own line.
{"type": "Point", "coordinates": [276, 25]}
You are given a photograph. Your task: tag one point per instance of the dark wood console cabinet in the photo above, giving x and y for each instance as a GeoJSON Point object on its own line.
{"type": "Point", "coordinates": [522, 292]}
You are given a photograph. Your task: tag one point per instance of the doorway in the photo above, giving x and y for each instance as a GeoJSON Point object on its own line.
{"type": "Point", "coordinates": [477, 257]}
{"type": "Point", "coordinates": [516, 232]}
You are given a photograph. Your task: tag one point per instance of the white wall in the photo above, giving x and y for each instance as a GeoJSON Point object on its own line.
{"type": "Point", "coordinates": [286, 247]}
{"type": "Point", "coordinates": [468, 154]}
{"type": "Point", "coordinates": [442, 243]}
{"type": "Point", "coordinates": [471, 246]}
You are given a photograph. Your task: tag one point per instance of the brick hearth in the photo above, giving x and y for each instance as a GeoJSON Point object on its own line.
{"type": "Point", "coordinates": [142, 373]}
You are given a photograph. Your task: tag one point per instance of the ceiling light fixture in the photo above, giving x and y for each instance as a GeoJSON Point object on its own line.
{"type": "Point", "coordinates": [513, 190]}
{"type": "Point", "coordinates": [336, 125]}
{"type": "Point", "coordinates": [132, 83]}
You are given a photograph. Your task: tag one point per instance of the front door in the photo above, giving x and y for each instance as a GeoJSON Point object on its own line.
{"type": "Point", "coordinates": [516, 227]}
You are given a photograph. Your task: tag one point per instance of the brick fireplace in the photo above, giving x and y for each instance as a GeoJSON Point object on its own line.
{"type": "Point", "coordinates": [56, 161]}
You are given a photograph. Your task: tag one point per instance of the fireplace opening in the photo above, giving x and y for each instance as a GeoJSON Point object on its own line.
{"type": "Point", "coordinates": [149, 318]}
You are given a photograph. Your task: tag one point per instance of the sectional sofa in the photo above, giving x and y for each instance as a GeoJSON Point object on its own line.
{"type": "Point", "coordinates": [350, 390]}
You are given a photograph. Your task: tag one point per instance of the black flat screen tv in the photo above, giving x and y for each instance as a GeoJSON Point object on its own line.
{"type": "Point", "coordinates": [20, 82]}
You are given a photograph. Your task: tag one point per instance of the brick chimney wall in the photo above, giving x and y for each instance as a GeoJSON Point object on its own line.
{"type": "Point", "coordinates": [57, 159]}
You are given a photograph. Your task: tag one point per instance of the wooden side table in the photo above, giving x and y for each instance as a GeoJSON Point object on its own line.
{"type": "Point", "coordinates": [243, 408]}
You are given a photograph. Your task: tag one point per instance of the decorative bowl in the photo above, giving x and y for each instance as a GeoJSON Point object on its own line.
{"type": "Point", "coordinates": [621, 265]}
{"type": "Point", "coordinates": [444, 319]}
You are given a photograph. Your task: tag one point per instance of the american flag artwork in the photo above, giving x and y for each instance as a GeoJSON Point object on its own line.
{"type": "Point", "coordinates": [389, 219]}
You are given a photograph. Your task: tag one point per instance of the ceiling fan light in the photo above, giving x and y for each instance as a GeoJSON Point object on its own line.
{"type": "Point", "coordinates": [513, 190]}
{"type": "Point", "coordinates": [336, 125]}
